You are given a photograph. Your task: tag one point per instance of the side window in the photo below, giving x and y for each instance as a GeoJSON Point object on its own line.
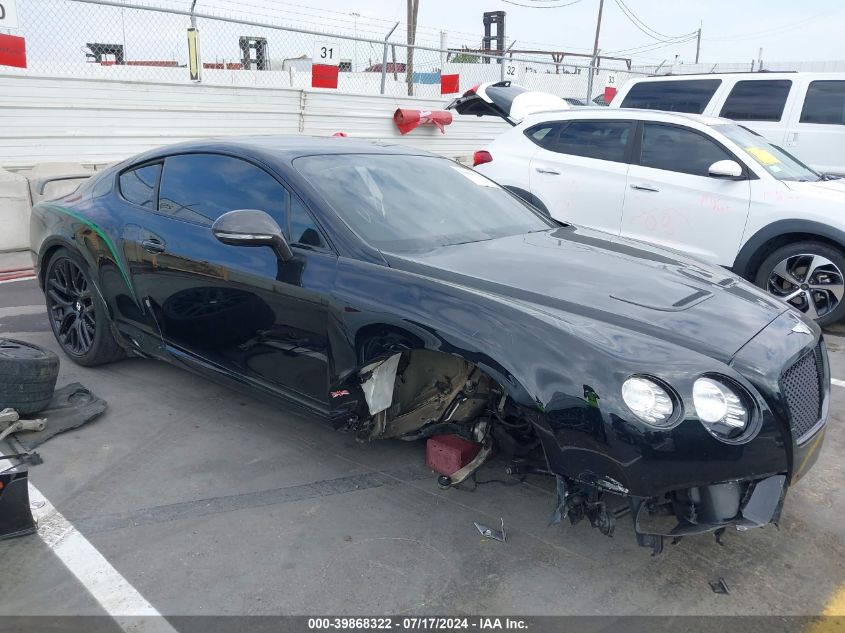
{"type": "Point", "coordinates": [678, 149]}
{"type": "Point", "coordinates": [686, 95]}
{"type": "Point", "coordinates": [544, 134]}
{"type": "Point", "coordinates": [603, 140]}
{"type": "Point", "coordinates": [138, 186]}
{"type": "Point", "coordinates": [202, 187]}
{"type": "Point", "coordinates": [824, 103]}
{"type": "Point", "coordinates": [757, 100]}
{"type": "Point", "coordinates": [302, 228]}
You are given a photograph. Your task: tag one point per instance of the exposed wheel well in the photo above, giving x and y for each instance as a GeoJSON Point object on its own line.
{"type": "Point", "coordinates": [763, 251]}
{"type": "Point", "coordinates": [432, 392]}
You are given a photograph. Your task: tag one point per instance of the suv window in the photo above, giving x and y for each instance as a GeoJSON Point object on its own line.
{"type": "Point", "coordinates": [678, 149]}
{"type": "Point", "coordinates": [202, 187]}
{"type": "Point", "coordinates": [603, 140]}
{"type": "Point", "coordinates": [824, 103]}
{"type": "Point", "coordinates": [757, 100]}
{"type": "Point", "coordinates": [544, 134]}
{"type": "Point", "coordinates": [138, 185]}
{"type": "Point", "coordinates": [687, 95]}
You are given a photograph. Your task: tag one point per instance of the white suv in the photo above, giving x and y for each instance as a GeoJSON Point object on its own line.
{"type": "Point", "coordinates": [702, 185]}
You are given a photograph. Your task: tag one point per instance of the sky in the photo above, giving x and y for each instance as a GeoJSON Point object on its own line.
{"type": "Point", "coordinates": [732, 30]}
{"type": "Point", "coordinates": [647, 31]}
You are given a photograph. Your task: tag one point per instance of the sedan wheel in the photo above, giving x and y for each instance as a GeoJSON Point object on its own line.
{"type": "Point", "coordinates": [77, 315]}
{"type": "Point", "coordinates": [71, 307]}
{"type": "Point", "coordinates": [809, 277]}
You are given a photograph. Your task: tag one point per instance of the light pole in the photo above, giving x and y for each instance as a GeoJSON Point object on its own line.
{"type": "Point", "coordinates": [595, 62]}
{"type": "Point", "coordinates": [355, 16]}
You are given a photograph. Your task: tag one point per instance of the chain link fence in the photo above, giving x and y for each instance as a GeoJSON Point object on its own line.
{"type": "Point", "coordinates": [129, 41]}
{"type": "Point", "coordinates": [754, 65]}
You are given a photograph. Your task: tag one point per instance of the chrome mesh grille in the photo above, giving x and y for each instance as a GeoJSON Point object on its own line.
{"type": "Point", "coordinates": [802, 388]}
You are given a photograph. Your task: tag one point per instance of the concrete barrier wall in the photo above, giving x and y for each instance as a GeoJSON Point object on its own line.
{"type": "Point", "coordinates": [14, 211]}
{"type": "Point", "coordinates": [89, 122]}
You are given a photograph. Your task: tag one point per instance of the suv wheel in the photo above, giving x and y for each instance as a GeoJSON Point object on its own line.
{"type": "Point", "coordinates": [809, 277]}
{"type": "Point", "coordinates": [77, 315]}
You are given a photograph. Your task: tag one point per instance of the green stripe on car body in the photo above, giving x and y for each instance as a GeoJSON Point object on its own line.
{"type": "Point", "coordinates": [99, 232]}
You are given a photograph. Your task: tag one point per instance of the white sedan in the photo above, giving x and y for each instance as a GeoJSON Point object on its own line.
{"type": "Point", "coordinates": [702, 185]}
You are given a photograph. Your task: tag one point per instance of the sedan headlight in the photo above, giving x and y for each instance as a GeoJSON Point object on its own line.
{"type": "Point", "coordinates": [719, 408]}
{"type": "Point", "coordinates": [648, 400]}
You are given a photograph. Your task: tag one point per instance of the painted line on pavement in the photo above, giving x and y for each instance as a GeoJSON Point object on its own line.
{"type": "Point", "coordinates": [22, 311]}
{"type": "Point", "coordinates": [118, 598]}
{"type": "Point", "coordinates": [837, 382]}
{"type": "Point", "coordinates": [11, 281]}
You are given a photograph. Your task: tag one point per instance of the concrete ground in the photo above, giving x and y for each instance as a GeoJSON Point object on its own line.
{"type": "Point", "coordinates": [208, 501]}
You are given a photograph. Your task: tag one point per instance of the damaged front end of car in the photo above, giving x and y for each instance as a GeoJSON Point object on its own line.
{"type": "Point", "coordinates": [681, 452]}
{"type": "Point", "coordinates": [711, 452]}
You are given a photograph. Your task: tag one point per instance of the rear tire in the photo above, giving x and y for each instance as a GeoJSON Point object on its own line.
{"type": "Point", "coordinates": [809, 277]}
{"type": "Point", "coordinates": [27, 376]}
{"type": "Point", "coordinates": [78, 317]}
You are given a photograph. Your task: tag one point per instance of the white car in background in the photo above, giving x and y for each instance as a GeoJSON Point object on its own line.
{"type": "Point", "coordinates": [803, 112]}
{"type": "Point", "coordinates": [702, 185]}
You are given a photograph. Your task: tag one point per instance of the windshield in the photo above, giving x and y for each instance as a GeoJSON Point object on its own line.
{"type": "Point", "coordinates": [778, 162]}
{"type": "Point", "coordinates": [414, 203]}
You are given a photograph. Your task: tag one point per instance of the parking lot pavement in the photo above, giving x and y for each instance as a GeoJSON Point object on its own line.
{"type": "Point", "coordinates": [208, 501]}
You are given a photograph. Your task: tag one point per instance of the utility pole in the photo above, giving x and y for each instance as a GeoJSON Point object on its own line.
{"type": "Point", "coordinates": [698, 44]}
{"type": "Point", "coordinates": [598, 30]}
{"type": "Point", "coordinates": [355, 46]}
{"type": "Point", "coordinates": [413, 9]}
{"type": "Point", "coordinates": [595, 62]}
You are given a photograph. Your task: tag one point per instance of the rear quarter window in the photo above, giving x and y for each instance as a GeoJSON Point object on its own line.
{"type": "Point", "coordinates": [824, 103]}
{"type": "Point", "coordinates": [138, 185]}
{"type": "Point", "coordinates": [688, 95]}
{"type": "Point", "coordinates": [757, 100]}
{"type": "Point", "coordinates": [544, 134]}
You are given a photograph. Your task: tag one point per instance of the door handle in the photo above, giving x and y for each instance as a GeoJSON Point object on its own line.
{"type": "Point", "coordinates": [645, 188]}
{"type": "Point", "coordinates": [550, 172]}
{"type": "Point", "coordinates": [153, 245]}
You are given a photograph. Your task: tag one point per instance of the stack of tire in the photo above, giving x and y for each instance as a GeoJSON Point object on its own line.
{"type": "Point", "coordinates": [27, 376]}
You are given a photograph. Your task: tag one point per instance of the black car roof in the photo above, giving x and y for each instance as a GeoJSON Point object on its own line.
{"type": "Point", "coordinates": [282, 148]}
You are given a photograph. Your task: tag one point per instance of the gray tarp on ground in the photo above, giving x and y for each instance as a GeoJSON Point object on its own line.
{"type": "Point", "coordinates": [71, 407]}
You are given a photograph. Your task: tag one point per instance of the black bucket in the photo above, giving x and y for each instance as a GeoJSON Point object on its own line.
{"type": "Point", "coordinates": [15, 513]}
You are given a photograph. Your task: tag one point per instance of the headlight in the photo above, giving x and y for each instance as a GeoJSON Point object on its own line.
{"type": "Point", "coordinates": [719, 408]}
{"type": "Point", "coordinates": [647, 400]}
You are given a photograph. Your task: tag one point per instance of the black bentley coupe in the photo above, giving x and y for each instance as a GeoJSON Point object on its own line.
{"type": "Point", "coordinates": [397, 294]}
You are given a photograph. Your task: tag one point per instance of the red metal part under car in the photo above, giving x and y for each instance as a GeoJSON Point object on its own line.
{"type": "Point", "coordinates": [447, 454]}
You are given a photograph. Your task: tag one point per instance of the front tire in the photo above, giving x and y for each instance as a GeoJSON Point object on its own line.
{"type": "Point", "coordinates": [808, 276]}
{"type": "Point", "coordinates": [77, 314]}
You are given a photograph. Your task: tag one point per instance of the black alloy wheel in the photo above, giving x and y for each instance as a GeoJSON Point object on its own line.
{"type": "Point", "coordinates": [70, 306]}
{"type": "Point", "coordinates": [76, 312]}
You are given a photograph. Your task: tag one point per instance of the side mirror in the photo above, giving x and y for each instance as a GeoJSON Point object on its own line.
{"type": "Point", "coordinates": [251, 227]}
{"type": "Point", "coordinates": [726, 169]}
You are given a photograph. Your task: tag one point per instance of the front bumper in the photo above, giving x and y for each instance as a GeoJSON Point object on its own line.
{"type": "Point", "coordinates": [600, 445]}
{"type": "Point", "coordinates": [742, 505]}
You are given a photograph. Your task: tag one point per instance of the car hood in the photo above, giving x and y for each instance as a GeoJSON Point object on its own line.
{"type": "Point", "coordinates": [576, 274]}
{"type": "Point", "coordinates": [832, 190]}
